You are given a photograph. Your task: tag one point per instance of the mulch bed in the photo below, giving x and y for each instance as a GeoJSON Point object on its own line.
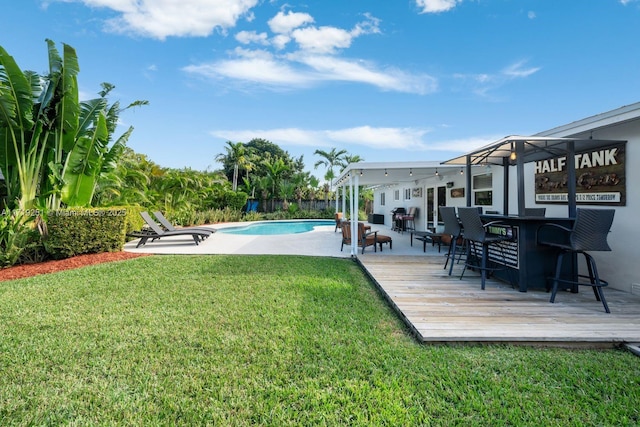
{"type": "Point", "coordinates": [28, 270]}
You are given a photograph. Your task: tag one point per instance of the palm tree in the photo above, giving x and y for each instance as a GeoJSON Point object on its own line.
{"type": "Point", "coordinates": [313, 187]}
{"type": "Point", "coordinates": [236, 154]}
{"type": "Point", "coordinates": [352, 158]}
{"type": "Point", "coordinates": [275, 169]}
{"type": "Point", "coordinates": [330, 160]}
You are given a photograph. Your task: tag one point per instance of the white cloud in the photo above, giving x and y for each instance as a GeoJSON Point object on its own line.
{"type": "Point", "coordinates": [280, 41]}
{"type": "Point", "coordinates": [327, 40]}
{"type": "Point", "coordinates": [253, 67]}
{"type": "Point", "coordinates": [484, 84]}
{"type": "Point", "coordinates": [165, 18]}
{"type": "Point", "coordinates": [298, 70]}
{"type": "Point", "coordinates": [464, 145]}
{"type": "Point", "coordinates": [246, 37]}
{"type": "Point", "coordinates": [517, 70]}
{"type": "Point", "coordinates": [322, 40]}
{"type": "Point", "coordinates": [284, 23]}
{"type": "Point", "coordinates": [411, 139]}
{"type": "Point", "coordinates": [436, 6]}
{"type": "Point", "coordinates": [332, 68]}
{"type": "Point", "coordinates": [313, 63]}
{"type": "Point", "coordinates": [531, 14]}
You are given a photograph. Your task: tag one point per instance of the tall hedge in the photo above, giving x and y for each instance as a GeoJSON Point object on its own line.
{"type": "Point", "coordinates": [78, 231]}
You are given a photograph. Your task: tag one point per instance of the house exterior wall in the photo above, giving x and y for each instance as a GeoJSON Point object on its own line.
{"type": "Point", "coordinates": [620, 266]}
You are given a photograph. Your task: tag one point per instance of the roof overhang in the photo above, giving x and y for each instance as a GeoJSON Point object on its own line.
{"type": "Point", "coordinates": [381, 173]}
{"type": "Point", "coordinates": [531, 148]}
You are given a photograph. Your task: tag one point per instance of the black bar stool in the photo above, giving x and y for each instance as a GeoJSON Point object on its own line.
{"type": "Point", "coordinates": [476, 235]}
{"type": "Point", "coordinates": [589, 233]}
{"type": "Point", "coordinates": [453, 229]}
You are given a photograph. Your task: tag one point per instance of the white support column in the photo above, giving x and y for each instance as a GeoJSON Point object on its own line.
{"type": "Point", "coordinates": [354, 222]}
{"type": "Point", "coordinates": [344, 200]}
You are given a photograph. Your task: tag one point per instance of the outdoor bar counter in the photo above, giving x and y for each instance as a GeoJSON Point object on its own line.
{"type": "Point", "coordinates": [528, 264]}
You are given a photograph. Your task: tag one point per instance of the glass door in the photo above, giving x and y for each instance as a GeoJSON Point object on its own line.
{"type": "Point", "coordinates": [430, 204]}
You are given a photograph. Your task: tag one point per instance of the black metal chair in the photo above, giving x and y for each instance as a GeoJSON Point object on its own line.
{"type": "Point", "coordinates": [589, 233]}
{"type": "Point", "coordinates": [535, 211]}
{"type": "Point", "coordinates": [476, 235]}
{"type": "Point", "coordinates": [453, 229]}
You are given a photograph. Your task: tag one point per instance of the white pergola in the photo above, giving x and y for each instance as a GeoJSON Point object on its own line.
{"type": "Point", "coordinates": [372, 174]}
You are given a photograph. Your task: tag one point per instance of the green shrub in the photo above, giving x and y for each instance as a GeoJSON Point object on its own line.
{"type": "Point", "coordinates": [78, 231]}
{"type": "Point", "coordinates": [33, 250]}
{"type": "Point", "coordinates": [134, 221]}
{"type": "Point", "coordinates": [253, 216]}
{"type": "Point", "coordinates": [14, 231]}
{"type": "Point", "coordinates": [235, 201]}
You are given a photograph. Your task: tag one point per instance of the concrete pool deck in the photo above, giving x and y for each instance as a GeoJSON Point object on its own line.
{"type": "Point", "coordinates": [322, 241]}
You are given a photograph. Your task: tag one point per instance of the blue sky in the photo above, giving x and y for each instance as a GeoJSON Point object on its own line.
{"type": "Point", "coordinates": [389, 80]}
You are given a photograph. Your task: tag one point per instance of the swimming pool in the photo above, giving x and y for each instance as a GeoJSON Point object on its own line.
{"type": "Point", "coordinates": [269, 228]}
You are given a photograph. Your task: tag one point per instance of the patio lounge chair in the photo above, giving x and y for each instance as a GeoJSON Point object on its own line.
{"type": "Point", "coordinates": [364, 238]}
{"type": "Point", "coordinates": [155, 232]}
{"type": "Point", "coordinates": [169, 227]}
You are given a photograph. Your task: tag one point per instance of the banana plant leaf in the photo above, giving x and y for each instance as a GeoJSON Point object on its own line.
{"type": "Point", "coordinates": [85, 164]}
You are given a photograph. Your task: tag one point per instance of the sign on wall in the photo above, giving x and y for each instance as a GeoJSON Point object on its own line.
{"type": "Point", "coordinates": [600, 177]}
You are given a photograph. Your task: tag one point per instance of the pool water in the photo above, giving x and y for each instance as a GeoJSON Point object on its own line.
{"type": "Point", "coordinates": [269, 228]}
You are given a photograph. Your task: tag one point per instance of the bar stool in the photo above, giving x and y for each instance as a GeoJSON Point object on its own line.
{"type": "Point", "coordinates": [408, 219]}
{"type": "Point", "coordinates": [476, 235]}
{"type": "Point", "coordinates": [453, 229]}
{"type": "Point", "coordinates": [589, 233]}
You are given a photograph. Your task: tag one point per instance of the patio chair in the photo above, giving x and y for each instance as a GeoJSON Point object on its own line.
{"type": "Point", "coordinates": [168, 226]}
{"type": "Point", "coordinates": [338, 218]}
{"type": "Point", "coordinates": [408, 219]}
{"type": "Point", "coordinates": [476, 235]}
{"type": "Point", "coordinates": [364, 238]}
{"type": "Point", "coordinates": [453, 229]}
{"type": "Point", "coordinates": [589, 233]}
{"type": "Point", "coordinates": [155, 232]}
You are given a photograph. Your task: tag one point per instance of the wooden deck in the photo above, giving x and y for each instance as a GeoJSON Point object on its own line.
{"type": "Point", "coordinates": [444, 309]}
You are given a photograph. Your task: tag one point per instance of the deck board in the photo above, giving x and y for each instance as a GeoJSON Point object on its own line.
{"type": "Point", "coordinates": [442, 308]}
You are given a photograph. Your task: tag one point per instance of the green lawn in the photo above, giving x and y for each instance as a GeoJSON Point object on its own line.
{"type": "Point", "coordinates": [274, 340]}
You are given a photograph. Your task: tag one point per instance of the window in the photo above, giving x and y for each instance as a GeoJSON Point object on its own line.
{"type": "Point", "coordinates": [483, 189]}
{"type": "Point", "coordinates": [382, 198]}
{"type": "Point", "coordinates": [407, 194]}
{"type": "Point", "coordinates": [483, 198]}
{"type": "Point", "coordinates": [396, 195]}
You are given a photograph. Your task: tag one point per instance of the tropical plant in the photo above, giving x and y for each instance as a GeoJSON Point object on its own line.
{"type": "Point", "coordinates": [14, 233]}
{"type": "Point", "coordinates": [53, 148]}
{"type": "Point", "coordinates": [26, 111]}
{"type": "Point", "coordinates": [128, 183]}
{"type": "Point", "coordinates": [330, 159]}
{"type": "Point", "coordinates": [237, 155]}
{"type": "Point", "coordinates": [275, 170]}
{"type": "Point", "coordinates": [90, 157]}
{"type": "Point", "coordinates": [313, 190]}
{"type": "Point", "coordinates": [352, 158]}
{"type": "Point", "coordinates": [263, 184]}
